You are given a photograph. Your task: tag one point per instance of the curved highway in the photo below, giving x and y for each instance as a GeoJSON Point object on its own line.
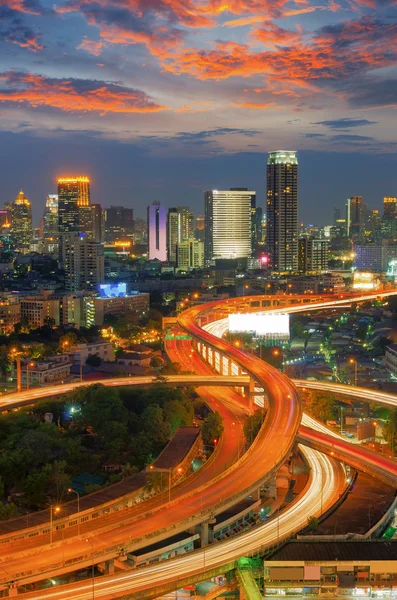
{"type": "Point", "coordinates": [265, 456]}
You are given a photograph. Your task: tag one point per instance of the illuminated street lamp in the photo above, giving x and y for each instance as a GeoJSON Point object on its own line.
{"type": "Point", "coordinates": [16, 355]}
{"type": "Point", "coordinates": [56, 510]}
{"type": "Point", "coordinates": [30, 364]}
{"type": "Point", "coordinates": [352, 361]}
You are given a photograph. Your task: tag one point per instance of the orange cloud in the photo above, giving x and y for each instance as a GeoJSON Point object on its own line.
{"type": "Point", "coordinates": [254, 105]}
{"type": "Point", "coordinates": [74, 95]}
{"type": "Point", "coordinates": [244, 21]}
{"type": "Point", "coordinates": [92, 46]}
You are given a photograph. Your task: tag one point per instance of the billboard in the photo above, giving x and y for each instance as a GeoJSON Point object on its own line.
{"type": "Point", "coordinates": [112, 290]}
{"type": "Point", "coordinates": [271, 325]}
{"type": "Point", "coordinates": [365, 281]}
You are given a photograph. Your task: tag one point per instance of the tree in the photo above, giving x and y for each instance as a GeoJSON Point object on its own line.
{"type": "Point", "coordinates": [94, 360]}
{"type": "Point", "coordinates": [320, 406]}
{"type": "Point", "coordinates": [156, 363]}
{"type": "Point", "coordinates": [7, 511]}
{"type": "Point", "coordinates": [253, 425]}
{"type": "Point", "coordinates": [154, 481]}
{"type": "Point", "coordinates": [212, 428]}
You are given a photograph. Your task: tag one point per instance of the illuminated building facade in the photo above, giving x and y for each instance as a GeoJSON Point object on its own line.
{"type": "Point", "coordinates": [73, 193]}
{"type": "Point", "coordinates": [83, 262]}
{"type": "Point", "coordinates": [228, 223]}
{"type": "Point", "coordinates": [179, 227]}
{"type": "Point", "coordinates": [21, 222]}
{"type": "Point", "coordinates": [190, 255]}
{"type": "Point", "coordinates": [313, 255]}
{"type": "Point", "coordinates": [282, 211]}
{"type": "Point", "coordinates": [157, 231]}
{"type": "Point", "coordinates": [50, 224]}
{"type": "Point", "coordinates": [389, 207]}
{"type": "Point", "coordinates": [355, 216]}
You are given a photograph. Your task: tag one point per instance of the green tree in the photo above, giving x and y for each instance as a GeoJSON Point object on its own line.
{"type": "Point", "coordinates": [156, 481]}
{"type": "Point", "coordinates": [94, 360]}
{"type": "Point", "coordinates": [156, 363]}
{"type": "Point", "coordinates": [313, 523]}
{"type": "Point", "coordinates": [212, 428]}
{"type": "Point", "coordinates": [320, 406]}
{"type": "Point", "coordinates": [253, 424]}
{"type": "Point", "coordinates": [7, 511]}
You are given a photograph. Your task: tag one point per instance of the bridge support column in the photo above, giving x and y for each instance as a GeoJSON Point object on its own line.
{"type": "Point", "coordinates": [273, 487]}
{"type": "Point", "coordinates": [109, 567]}
{"type": "Point", "coordinates": [206, 532]}
{"type": "Point", "coordinates": [251, 395]}
{"type": "Point", "coordinates": [12, 591]}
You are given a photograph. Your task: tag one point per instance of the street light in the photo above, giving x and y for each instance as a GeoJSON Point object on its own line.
{"type": "Point", "coordinates": [16, 355]}
{"type": "Point", "coordinates": [31, 364]}
{"type": "Point", "coordinates": [78, 508]}
{"type": "Point", "coordinates": [352, 361]}
{"type": "Point", "coordinates": [53, 509]}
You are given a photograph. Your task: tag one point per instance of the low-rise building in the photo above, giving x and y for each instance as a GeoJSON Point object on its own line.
{"type": "Point", "coordinates": [97, 307]}
{"type": "Point", "coordinates": [391, 359]}
{"type": "Point", "coordinates": [44, 372]}
{"type": "Point", "coordinates": [80, 352]}
{"type": "Point", "coordinates": [10, 312]}
{"type": "Point", "coordinates": [133, 359]}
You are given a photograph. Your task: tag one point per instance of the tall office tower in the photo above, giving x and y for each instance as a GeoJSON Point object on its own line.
{"type": "Point", "coordinates": [83, 262]}
{"type": "Point", "coordinates": [355, 210]}
{"type": "Point", "coordinates": [119, 223]}
{"type": "Point", "coordinates": [282, 211]}
{"type": "Point", "coordinates": [157, 231]}
{"type": "Point", "coordinates": [73, 193]}
{"type": "Point", "coordinates": [21, 222]}
{"type": "Point", "coordinates": [256, 231]}
{"type": "Point", "coordinates": [312, 255]}
{"type": "Point", "coordinates": [389, 208]}
{"type": "Point", "coordinates": [179, 227]}
{"type": "Point", "coordinates": [190, 254]}
{"type": "Point", "coordinates": [51, 218]}
{"type": "Point", "coordinates": [227, 224]}
{"type": "Point", "coordinates": [199, 229]}
{"type": "Point", "coordinates": [98, 223]}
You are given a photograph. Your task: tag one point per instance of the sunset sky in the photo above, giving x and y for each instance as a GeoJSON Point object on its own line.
{"type": "Point", "coordinates": [161, 99]}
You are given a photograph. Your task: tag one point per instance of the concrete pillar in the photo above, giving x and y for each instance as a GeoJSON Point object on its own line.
{"type": "Point", "coordinates": [251, 395]}
{"type": "Point", "coordinates": [229, 371]}
{"type": "Point", "coordinates": [272, 487]}
{"type": "Point", "coordinates": [256, 495]}
{"type": "Point", "coordinates": [12, 591]}
{"type": "Point", "coordinates": [109, 567]}
{"type": "Point", "coordinates": [242, 595]}
{"type": "Point", "coordinates": [204, 534]}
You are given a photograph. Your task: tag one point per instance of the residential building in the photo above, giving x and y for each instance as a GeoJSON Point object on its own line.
{"type": "Point", "coordinates": [316, 284]}
{"type": "Point", "coordinates": [80, 352]}
{"type": "Point", "coordinates": [313, 255]}
{"type": "Point", "coordinates": [282, 211]}
{"type": "Point", "coordinates": [83, 262]}
{"type": "Point", "coordinates": [190, 255]}
{"type": "Point", "coordinates": [36, 310]}
{"type": "Point", "coordinates": [389, 208]}
{"type": "Point", "coordinates": [228, 224]}
{"type": "Point", "coordinates": [21, 222]}
{"type": "Point", "coordinates": [98, 223]}
{"type": "Point", "coordinates": [179, 227]}
{"type": "Point", "coordinates": [390, 361]}
{"type": "Point", "coordinates": [10, 312]}
{"type": "Point", "coordinates": [43, 372]}
{"type": "Point", "coordinates": [157, 231]}
{"type": "Point", "coordinates": [97, 307]}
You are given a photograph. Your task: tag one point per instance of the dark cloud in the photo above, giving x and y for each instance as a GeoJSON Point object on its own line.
{"type": "Point", "coordinates": [345, 123]}
{"type": "Point", "coordinates": [190, 136]}
{"type": "Point", "coordinates": [313, 135]}
{"type": "Point", "coordinates": [14, 30]}
{"type": "Point", "coordinates": [350, 138]}
{"type": "Point", "coordinates": [371, 92]}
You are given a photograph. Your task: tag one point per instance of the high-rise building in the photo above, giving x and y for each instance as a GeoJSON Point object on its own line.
{"type": "Point", "coordinates": [157, 231]}
{"type": "Point", "coordinates": [313, 255]}
{"type": "Point", "coordinates": [190, 254]}
{"type": "Point", "coordinates": [256, 231]}
{"type": "Point", "coordinates": [83, 261]}
{"type": "Point", "coordinates": [228, 224]}
{"type": "Point", "coordinates": [337, 215]}
{"type": "Point", "coordinates": [389, 207]}
{"type": "Point", "coordinates": [355, 216]}
{"type": "Point", "coordinates": [51, 228]}
{"type": "Point", "coordinates": [140, 232]}
{"type": "Point", "coordinates": [199, 230]}
{"type": "Point", "coordinates": [179, 227]}
{"type": "Point", "coordinates": [73, 193]}
{"type": "Point", "coordinates": [98, 223]}
{"type": "Point", "coordinates": [21, 222]}
{"type": "Point", "coordinates": [282, 211]}
{"type": "Point", "coordinates": [119, 223]}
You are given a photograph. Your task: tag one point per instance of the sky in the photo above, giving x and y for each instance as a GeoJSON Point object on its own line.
{"type": "Point", "coordinates": [163, 99]}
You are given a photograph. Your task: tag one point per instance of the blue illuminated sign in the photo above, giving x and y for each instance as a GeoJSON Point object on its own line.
{"type": "Point", "coordinates": [112, 290]}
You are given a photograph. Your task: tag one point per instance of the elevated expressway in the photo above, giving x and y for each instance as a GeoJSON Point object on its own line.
{"type": "Point", "coordinates": [265, 456]}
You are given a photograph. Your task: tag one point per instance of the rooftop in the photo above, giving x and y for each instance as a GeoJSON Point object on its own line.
{"type": "Point", "coordinates": [336, 551]}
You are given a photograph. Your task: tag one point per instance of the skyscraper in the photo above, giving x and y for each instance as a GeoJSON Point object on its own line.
{"type": "Point", "coordinates": [21, 222]}
{"type": "Point", "coordinates": [157, 231]}
{"type": "Point", "coordinates": [73, 193]}
{"type": "Point", "coordinates": [282, 211]}
{"type": "Point", "coordinates": [355, 216]}
{"type": "Point", "coordinates": [119, 223]}
{"type": "Point", "coordinates": [389, 208]}
{"type": "Point", "coordinates": [51, 218]}
{"type": "Point", "coordinates": [179, 227]}
{"type": "Point", "coordinates": [228, 223]}
{"type": "Point", "coordinates": [98, 223]}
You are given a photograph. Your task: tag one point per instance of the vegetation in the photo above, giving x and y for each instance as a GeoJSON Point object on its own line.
{"type": "Point", "coordinates": [253, 425]}
{"type": "Point", "coordinates": [212, 428]}
{"type": "Point", "coordinates": [320, 406]}
{"type": "Point", "coordinates": [41, 449]}
{"type": "Point", "coordinates": [313, 523]}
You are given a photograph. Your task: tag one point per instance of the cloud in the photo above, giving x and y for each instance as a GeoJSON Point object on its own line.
{"type": "Point", "coordinates": [350, 138]}
{"type": "Point", "coordinates": [73, 95]}
{"type": "Point", "coordinates": [13, 30]}
{"type": "Point", "coordinates": [345, 123]}
{"type": "Point", "coordinates": [32, 7]}
{"type": "Point", "coordinates": [313, 135]}
{"type": "Point", "coordinates": [371, 92]}
{"type": "Point", "coordinates": [254, 105]}
{"type": "Point", "coordinates": [93, 47]}
{"type": "Point", "coordinates": [200, 136]}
